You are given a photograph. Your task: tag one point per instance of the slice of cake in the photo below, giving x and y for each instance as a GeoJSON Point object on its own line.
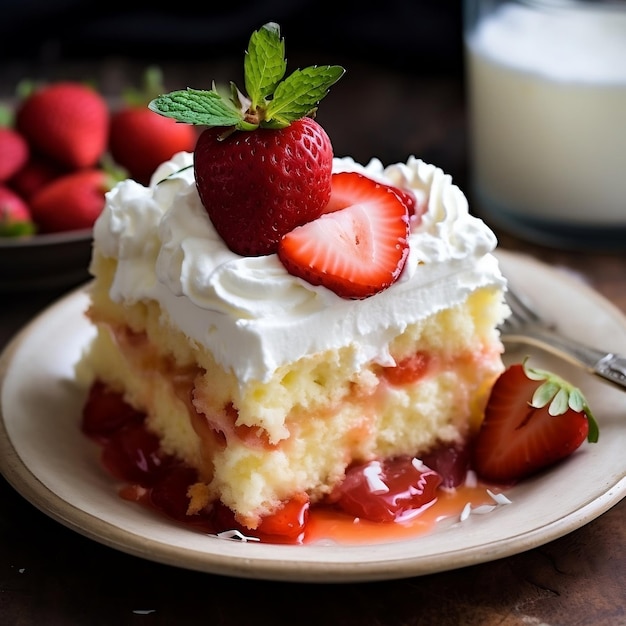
{"type": "Point", "coordinates": [271, 370]}
{"type": "Point", "coordinates": [271, 386]}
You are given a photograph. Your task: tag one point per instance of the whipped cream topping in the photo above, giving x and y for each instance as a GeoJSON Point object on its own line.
{"type": "Point", "coordinates": [249, 311]}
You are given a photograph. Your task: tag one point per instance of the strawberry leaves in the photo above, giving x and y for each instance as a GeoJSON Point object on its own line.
{"type": "Point", "coordinates": [271, 103]}
{"type": "Point", "coordinates": [559, 396]}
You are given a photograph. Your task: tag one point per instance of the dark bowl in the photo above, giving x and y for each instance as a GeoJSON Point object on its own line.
{"type": "Point", "coordinates": [50, 261]}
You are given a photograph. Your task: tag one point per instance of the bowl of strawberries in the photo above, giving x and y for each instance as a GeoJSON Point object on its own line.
{"type": "Point", "coordinates": [63, 145]}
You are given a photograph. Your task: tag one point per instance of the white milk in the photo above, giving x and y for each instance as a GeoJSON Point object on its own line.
{"type": "Point", "coordinates": [548, 114]}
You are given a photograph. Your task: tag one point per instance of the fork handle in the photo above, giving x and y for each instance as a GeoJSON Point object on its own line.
{"type": "Point", "coordinates": [609, 366]}
{"type": "Point", "coordinates": [612, 367]}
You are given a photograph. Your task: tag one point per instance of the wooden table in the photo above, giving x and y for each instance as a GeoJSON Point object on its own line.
{"type": "Point", "coordinates": [51, 575]}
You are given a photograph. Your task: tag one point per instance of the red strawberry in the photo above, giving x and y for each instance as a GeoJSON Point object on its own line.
{"type": "Point", "coordinates": [14, 153]}
{"type": "Point", "coordinates": [263, 166]}
{"type": "Point", "coordinates": [356, 251]}
{"type": "Point", "coordinates": [259, 185]}
{"type": "Point", "coordinates": [139, 140]}
{"type": "Point", "coordinates": [36, 173]}
{"type": "Point", "coordinates": [346, 189]}
{"type": "Point", "coordinates": [70, 202]}
{"type": "Point", "coordinates": [66, 121]}
{"type": "Point", "coordinates": [15, 218]}
{"type": "Point", "coordinates": [533, 419]}
{"type": "Point", "coordinates": [409, 199]}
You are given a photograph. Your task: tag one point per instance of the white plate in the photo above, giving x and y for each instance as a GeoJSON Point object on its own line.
{"type": "Point", "coordinates": [46, 458]}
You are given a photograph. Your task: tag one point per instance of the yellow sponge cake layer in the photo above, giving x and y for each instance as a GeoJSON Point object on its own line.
{"type": "Point", "coordinates": [259, 444]}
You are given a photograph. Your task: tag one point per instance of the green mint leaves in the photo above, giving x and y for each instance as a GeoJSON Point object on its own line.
{"type": "Point", "coordinates": [264, 64]}
{"type": "Point", "coordinates": [194, 106]}
{"type": "Point", "coordinates": [561, 395]}
{"type": "Point", "coordinates": [299, 95]}
{"type": "Point", "coordinates": [272, 101]}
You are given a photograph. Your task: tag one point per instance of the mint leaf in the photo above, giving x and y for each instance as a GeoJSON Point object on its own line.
{"type": "Point", "coordinates": [264, 63]}
{"type": "Point", "coordinates": [201, 107]}
{"type": "Point", "coordinates": [271, 101]}
{"type": "Point", "coordinates": [300, 93]}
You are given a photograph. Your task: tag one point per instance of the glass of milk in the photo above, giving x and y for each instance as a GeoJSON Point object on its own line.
{"type": "Point", "coordinates": [546, 87]}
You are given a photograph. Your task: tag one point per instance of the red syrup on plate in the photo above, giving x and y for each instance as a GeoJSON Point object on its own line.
{"type": "Point", "coordinates": [377, 502]}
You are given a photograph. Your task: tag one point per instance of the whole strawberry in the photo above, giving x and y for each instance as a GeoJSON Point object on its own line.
{"type": "Point", "coordinates": [67, 122]}
{"type": "Point", "coordinates": [14, 153]}
{"type": "Point", "coordinates": [139, 140]}
{"type": "Point", "coordinates": [34, 175]}
{"type": "Point", "coordinates": [15, 218]}
{"type": "Point", "coordinates": [71, 202]}
{"type": "Point", "coordinates": [264, 165]}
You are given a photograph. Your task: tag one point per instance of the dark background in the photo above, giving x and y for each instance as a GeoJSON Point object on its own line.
{"type": "Point", "coordinates": [400, 57]}
{"type": "Point", "coordinates": [410, 35]}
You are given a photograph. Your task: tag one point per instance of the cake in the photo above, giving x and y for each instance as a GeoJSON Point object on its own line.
{"type": "Point", "coordinates": [281, 316]}
{"type": "Point", "coordinates": [270, 386]}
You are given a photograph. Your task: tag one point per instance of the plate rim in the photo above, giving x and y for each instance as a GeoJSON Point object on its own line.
{"type": "Point", "coordinates": [228, 561]}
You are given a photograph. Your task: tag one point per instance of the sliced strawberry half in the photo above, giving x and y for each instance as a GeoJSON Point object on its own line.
{"type": "Point", "coordinates": [358, 247]}
{"type": "Point", "coordinates": [347, 188]}
{"type": "Point", "coordinates": [533, 419]}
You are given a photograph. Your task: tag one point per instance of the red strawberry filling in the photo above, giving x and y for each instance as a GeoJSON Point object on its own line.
{"type": "Point", "coordinates": [394, 490]}
{"type": "Point", "coordinates": [387, 491]}
{"type": "Point", "coordinates": [517, 438]}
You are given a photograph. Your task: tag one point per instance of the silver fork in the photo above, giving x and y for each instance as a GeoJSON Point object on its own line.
{"type": "Point", "coordinates": [527, 326]}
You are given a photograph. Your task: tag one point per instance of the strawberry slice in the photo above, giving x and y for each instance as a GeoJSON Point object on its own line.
{"type": "Point", "coordinates": [347, 189]}
{"type": "Point", "coordinates": [533, 419]}
{"type": "Point", "coordinates": [358, 247]}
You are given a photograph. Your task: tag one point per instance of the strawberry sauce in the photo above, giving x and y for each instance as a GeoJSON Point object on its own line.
{"type": "Point", "coordinates": [378, 502]}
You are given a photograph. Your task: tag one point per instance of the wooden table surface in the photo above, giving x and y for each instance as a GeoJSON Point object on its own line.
{"type": "Point", "coordinates": [54, 576]}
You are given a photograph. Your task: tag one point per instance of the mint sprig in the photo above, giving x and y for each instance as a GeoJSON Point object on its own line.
{"type": "Point", "coordinates": [272, 101]}
{"type": "Point", "coordinates": [560, 395]}
{"type": "Point", "coordinates": [264, 64]}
